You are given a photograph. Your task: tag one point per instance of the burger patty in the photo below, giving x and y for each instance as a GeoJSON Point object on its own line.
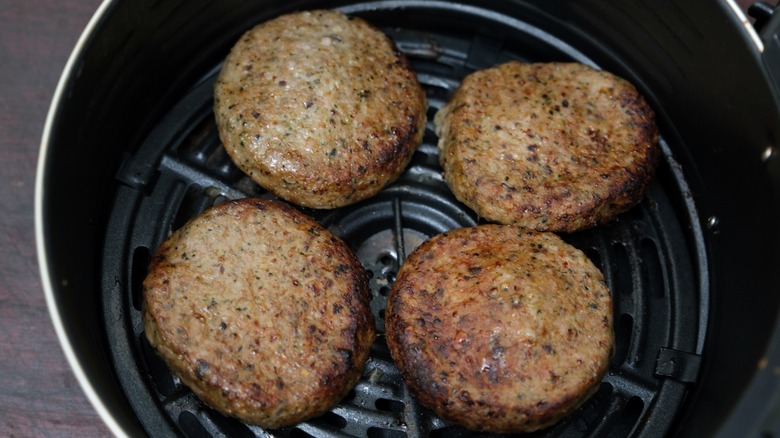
{"type": "Point", "coordinates": [260, 311]}
{"type": "Point", "coordinates": [549, 146]}
{"type": "Point", "coordinates": [319, 108]}
{"type": "Point", "coordinates": [500, 329]}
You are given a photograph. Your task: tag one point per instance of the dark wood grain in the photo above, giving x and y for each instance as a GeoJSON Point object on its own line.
{"type": "Point", "coordinates": [39, 396]}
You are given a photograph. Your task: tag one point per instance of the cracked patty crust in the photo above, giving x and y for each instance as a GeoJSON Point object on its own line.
{"type": "Point", "coordinates": [500, 329]}
{"type": "Point", "coordinates": [319, 108]}
{"type": "Point", "coordinates": [548, 146]}
{"type": "Point", "coordinates": [260, 311]}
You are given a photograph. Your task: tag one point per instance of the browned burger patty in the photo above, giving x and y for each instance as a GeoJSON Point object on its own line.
{"type": "Point", "coordinates": [259, 310]}
{"type": "Point", "coordinates": [319, 108]}
{"type": "Point", "coordinates": [499, 329]}
{"type": "Point", "coordinates": [551, 146]}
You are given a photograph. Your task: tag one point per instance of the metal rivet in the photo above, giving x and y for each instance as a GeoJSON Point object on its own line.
{"type": "Point", "coordinates": [767, 154]}
{"type": "Point", "coordinates": [712, 222]}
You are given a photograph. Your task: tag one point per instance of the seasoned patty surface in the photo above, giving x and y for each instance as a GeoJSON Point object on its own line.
{"type": "Point", "coordinates": [548, 146]}
{"type": "Point", "coordinates": [319, 108]}
{"type": "Point", "coordinates": [263, 313]}
{"type": "Point", "coordinates": [500, 329]}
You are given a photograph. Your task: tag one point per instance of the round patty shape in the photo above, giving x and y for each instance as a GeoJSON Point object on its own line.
{"type": "Point", "coordinates": [500, 329]}
{"type": "Point", "coordinates": [319, 108]}
{"type": "Point", "coordinates": [260, 311]}
{"type": "Point", "coordinates": [549, 146]}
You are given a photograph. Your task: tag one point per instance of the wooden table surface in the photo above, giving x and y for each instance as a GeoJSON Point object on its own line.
{"type": "Point", "coordinates": [39, 396]}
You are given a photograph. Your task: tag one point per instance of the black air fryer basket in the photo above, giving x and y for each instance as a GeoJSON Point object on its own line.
{"type": "Point", "coordinates": [131, 153]}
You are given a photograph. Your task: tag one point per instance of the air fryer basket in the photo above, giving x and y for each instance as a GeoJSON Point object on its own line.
{"type": "Point", "coordinates": [131, 153]}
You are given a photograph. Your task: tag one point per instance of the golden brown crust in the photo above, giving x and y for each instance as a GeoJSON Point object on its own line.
{"type": "Point", "coordinates": [549, 146]}
{"type": "Point", "coordinates": [259, 310]}
{"type": "Point", "coordinates": [500, 329]}
{"type": "Point", "coordinates": [319, 108]}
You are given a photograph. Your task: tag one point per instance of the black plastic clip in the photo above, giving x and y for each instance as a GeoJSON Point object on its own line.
{"type": "Point", "coordinates": [137, 174]}
{"type": "Point", "coordinates": [762, 12]}
{"type": "Point", "coordinates": [678, 365]}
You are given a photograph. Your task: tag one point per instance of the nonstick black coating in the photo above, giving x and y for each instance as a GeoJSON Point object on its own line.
{"type": "Point", "coordinates": [690, 274]}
